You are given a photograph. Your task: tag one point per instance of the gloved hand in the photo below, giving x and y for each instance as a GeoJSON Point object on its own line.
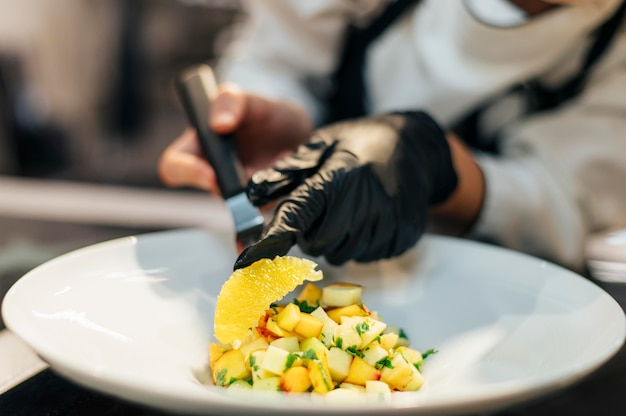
{"type": "Point", "coordinates": [358, 190]}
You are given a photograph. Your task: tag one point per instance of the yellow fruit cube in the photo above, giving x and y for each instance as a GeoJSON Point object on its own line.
{"type": "Point", "coordinates": [254, 364]}
{"type": "Point", "coordinates": [374, 354]}
{"type": "Point", "coordinates": [411, 355]}
{"type": "Point", "coordinates": [339, 363]}
{"type": "Point", "coordinates": [288, 317]}
{"type": "Point", "coordinates": [310, 294]}
{"type": "Point", "coordinates": [417, 380]}
{"type": "Point", "coordinates": [328, 330]}
{"type": "Point", "coordinates": [350, 310]}
{"type": "Point", "coordinates": [277, 360]}
{"type": "Point", "coordinates": [267, 384]}
{"type": "Point", "coordinates": [378, 390]}
{"type": "Point", "coordinates": [320, 376]}
{"type": "Point", "coordinates": [215, 351]}
{"type": "Point", "coordinates": [399, 374]}
{"type": "Point", "coordinates": [389, 340]}
{"type": "Point", "coordinates": [273, 327]}
{"type": "Point", "coordinates": [257, 344]}
{"type": "Point", "coordinates": [346, 337]}
{"type": "Point", "coordinates": [290, 344]}
{"type": "Point", "coordinates": [229, 367]}
{"type": "Point", "coordinates": [360, 372]}
{"type": "Point", "coordinates": [295, 380]}
{"type": "Point", "coordinates": [341, 294]}
{"type": "Point", "coordinates": [308, 326]}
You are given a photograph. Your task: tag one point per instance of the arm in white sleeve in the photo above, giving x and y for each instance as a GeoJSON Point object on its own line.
{"type": "Point", "coordinates": [284, 42]}
{"type": "Point", "coordinates": [561, 175]}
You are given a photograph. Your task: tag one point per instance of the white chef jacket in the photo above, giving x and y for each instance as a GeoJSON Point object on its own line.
{"type": "Point", "coordinates": [560, 176]}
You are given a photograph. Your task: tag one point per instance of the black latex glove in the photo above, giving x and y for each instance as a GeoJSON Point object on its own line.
{"type": "Point", "coordinates": [358, 190]}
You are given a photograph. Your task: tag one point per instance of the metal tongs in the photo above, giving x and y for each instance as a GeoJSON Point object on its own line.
{"type": "Point", "coordinates": [197, 88]}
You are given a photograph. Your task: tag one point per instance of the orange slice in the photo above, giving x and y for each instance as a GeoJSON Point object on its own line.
{"type": "Point", "coordinates": [250, 291]}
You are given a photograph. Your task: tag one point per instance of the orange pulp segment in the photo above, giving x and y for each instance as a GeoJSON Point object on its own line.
{"type": "Point", "coordinates": [250, 291]}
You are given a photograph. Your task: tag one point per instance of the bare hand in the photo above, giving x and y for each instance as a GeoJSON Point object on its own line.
{"type": "Point", "coordinates": [264, 130]}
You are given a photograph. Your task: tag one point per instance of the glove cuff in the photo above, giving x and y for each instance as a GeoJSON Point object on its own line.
{"type": "Point", "coordinates": [436, 153]}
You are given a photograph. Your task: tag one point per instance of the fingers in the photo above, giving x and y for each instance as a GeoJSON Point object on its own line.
{"type": "Point", "coordinates": [229, 109]}
{"type": "Point", "coordinates": [181, 164]}
{"type": "Point", "coordinates": [267, 248]}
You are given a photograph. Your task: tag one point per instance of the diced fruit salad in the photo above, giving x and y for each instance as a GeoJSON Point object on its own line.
{"type": "Point", "coordinates": [324, 340]}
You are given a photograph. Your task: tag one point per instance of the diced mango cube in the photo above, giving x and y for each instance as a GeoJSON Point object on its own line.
{"type": "Point", "coordinates": [229, 367]}
{"type": "Point", "coordinates": [350, 310]}
{"type": "Point", "coordinates": [310, 294]}
{"type": "Point", "coordinates": [360, 372]}
{"type": "Point", "coordinates": [319, 375]}
{"type": "Point", "coordinates": [288, 317]}
{"type": "Point", "coordinates": [295, 380]}
{"type": "Point", "coordinates": [308, 326]}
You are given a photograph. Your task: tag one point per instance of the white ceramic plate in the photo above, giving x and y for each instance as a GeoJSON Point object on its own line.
{"type": "Point", "coordinates": [133, 318]}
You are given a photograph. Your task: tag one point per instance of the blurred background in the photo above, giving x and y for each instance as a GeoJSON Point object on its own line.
{"type": "Point", "coordinates": [87, 105]}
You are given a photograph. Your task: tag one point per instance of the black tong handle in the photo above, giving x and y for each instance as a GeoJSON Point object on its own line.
{"type": "Point", "coordinates": [197, 89]}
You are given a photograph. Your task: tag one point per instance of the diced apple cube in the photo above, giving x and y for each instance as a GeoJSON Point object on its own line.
{"type": "Point", "coordinates": [341, 294]}
{"type": "Point", "coordinates": [346, 337]}
{"type": "Point", "coordinates": [308, 326]}
{"type": "Point", "coordinates": [290, 344]}
{"type": "Point", "coordinates": [314, 345]}
{"type": "Point", "coordinates": [374, 354]}
{"type": "Point", "coordinates": [351, 386]}
{"type": "Point", "coordinates": [267, 384]}
{"type": "Point", "coordinates": [229, 367]}
{"type": "Point", "coordinates": [254, 364]}
{"type": "Point", "coordinates": [288, 318]}
{"type": "Point", "coordinates": [368, 329]}
{"type": "Point", "coordinates": [338, 363]}
{"type": "Point", "coordinates": [295, 380]}
{"type": "Point", "coordinates": [240, 385]}
{"type": "Point", "coordinates": [276, 360]}
{"type": "Point", "coordinates": [377, 390]}
{"type": "Point", "coordinates": [360, 372]}
{"type": "Point", "coordinates": [344, 396]}
{"type": "Point", "coordinates": [350, 310]}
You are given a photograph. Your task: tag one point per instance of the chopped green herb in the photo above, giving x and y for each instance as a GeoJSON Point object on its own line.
{"type": "Point", "coordinates": [309, 354]}
{"type": "Point", "coordinates": [232, 380]}
{"type": "Point", "coordinates": [383, 362]}
{"type": "Point", "coordinates": [338, 342]}
{"type": "Point", "coordinates": [428, 352]}
{"type": "Point", "coordinates": [402, 334]}
{"type": "Point", "coordinates": [252, 361]}
{"type": "Point", "coordinates": [353, 350]}
{"type": "Point", "coordinates": [291, 358]}
{"type": "Point", "coordinates": [304, 306]}
{"type": "Point", "coordinates": [362, 327]}
{"type": "Point", "coordinates": [220, 380]}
